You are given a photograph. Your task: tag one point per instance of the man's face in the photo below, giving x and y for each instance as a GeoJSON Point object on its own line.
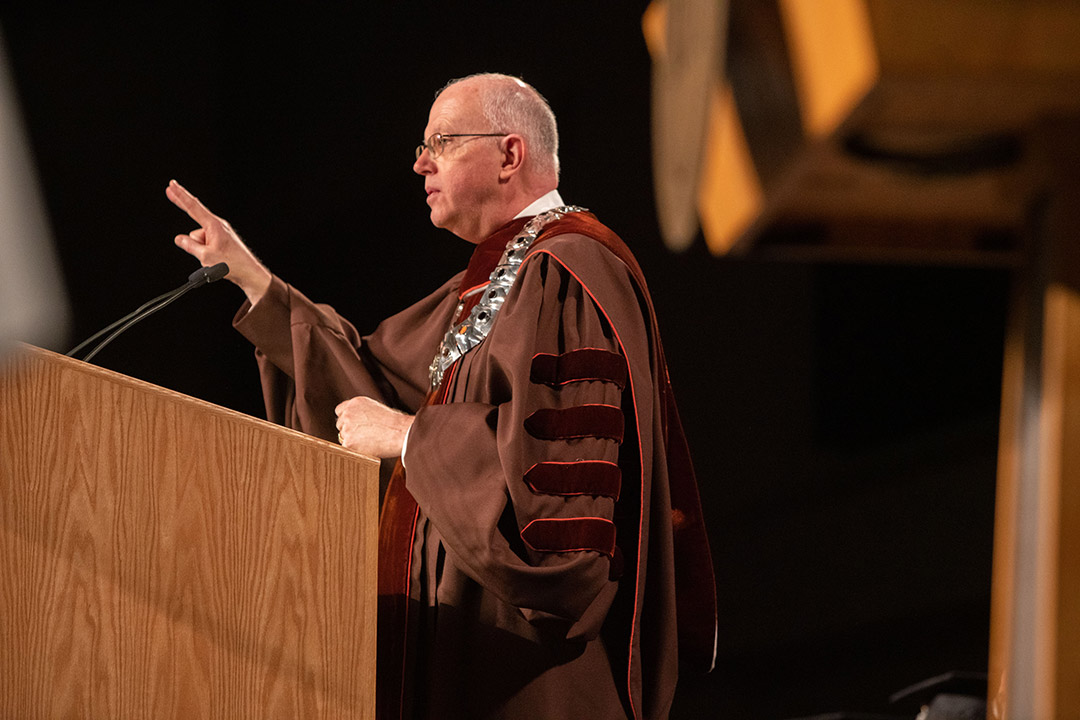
{"type": "Point", "coordinates": [462, 183]}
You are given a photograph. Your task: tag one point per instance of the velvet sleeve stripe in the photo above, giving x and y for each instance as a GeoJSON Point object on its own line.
{"type": "Point", "coordinates": [598, 478]}
{"type": "Point", "coordinates": [570, 535]}
{"type": "Point", "coordinates": [580, 421]}
{"type": "Point", "coordinates": [579, 366]}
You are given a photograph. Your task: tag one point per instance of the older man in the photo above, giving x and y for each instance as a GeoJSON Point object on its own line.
{"type": "Point", "coordinates": [541, 546]}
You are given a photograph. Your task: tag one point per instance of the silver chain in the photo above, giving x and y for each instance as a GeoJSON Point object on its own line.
{"type": "Point", "coordinates": [464, 336]}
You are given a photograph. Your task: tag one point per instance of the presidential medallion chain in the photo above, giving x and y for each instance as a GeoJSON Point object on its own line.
{"type": "Point", "coordinates": [467, 334]}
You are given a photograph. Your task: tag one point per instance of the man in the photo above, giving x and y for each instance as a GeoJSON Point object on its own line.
{"type": "Point", "coordinates": [544, 511]}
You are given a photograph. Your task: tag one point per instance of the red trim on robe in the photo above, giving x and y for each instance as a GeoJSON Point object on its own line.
{"type": "Point", "coordinates": [599, 478]}
{"type": "Point", "coordinates": [641, 484]}
{"type": "Point", "coordinates": [570, 535]}
{"type": "Point", "coordinates": [397, 528]}
{"type": "Point", "coordinates": [486, 255]}
{"type": "Point", "coordinates": [695, 581]}
{"type": "Point", "coordinates": [696, 589]}
{"type": "Point", "coordinates": [463, 292]}
{"type": "Point", "coordinates": [580, 421]}
{"type": "Point", "coordinates": [578, 365]}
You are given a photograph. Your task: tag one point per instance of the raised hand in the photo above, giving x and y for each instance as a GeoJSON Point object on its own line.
{"type": "Point", "coordinates": [215, 241]}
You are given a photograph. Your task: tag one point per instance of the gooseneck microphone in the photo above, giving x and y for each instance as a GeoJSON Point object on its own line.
{"type": "Point", "coordinates": [200, 277]}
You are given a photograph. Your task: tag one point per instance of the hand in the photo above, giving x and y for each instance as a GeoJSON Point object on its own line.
{"type": "Point", "coordinates": [215, 241]}
{"type": "Point", "coordinates": [369, 427]}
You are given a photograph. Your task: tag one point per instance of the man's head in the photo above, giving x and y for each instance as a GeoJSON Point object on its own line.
{"type": "Point", "coordinates": [507, 158]}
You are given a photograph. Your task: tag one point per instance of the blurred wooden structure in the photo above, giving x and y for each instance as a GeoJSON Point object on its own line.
{"type": "Point", "coordinates": [164, 557]}
{"type": "Point", "coordinates": [916, 132]}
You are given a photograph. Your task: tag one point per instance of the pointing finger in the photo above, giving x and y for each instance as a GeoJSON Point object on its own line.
{"type": "Point", "coordinates": [190, 204]}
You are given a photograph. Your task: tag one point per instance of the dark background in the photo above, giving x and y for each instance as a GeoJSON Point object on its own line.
{"type": "Point", "coordinates": [843, 417]}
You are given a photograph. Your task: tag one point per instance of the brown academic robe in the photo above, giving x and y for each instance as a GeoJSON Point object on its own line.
{"type": "Point", "coordinates": [542, 574]}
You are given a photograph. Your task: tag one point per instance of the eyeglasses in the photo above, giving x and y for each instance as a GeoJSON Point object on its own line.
{"type": "Point", "coordinates": [437, 142]}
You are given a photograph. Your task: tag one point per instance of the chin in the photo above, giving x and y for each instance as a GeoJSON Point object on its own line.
{"type": "Point", "coordinates": [442, 220]}
{"type": "Point", "coordinates": [438, 221]}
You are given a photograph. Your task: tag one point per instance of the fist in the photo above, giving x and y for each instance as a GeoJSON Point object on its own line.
{"type": "Point", "coordinates": [369, 427]}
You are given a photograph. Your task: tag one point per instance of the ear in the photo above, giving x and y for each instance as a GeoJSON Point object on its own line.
{"type": "Point", "coordinates": [513, 156]}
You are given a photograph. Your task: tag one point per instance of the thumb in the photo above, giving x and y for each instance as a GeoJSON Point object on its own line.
{"type": "Point", "coordinates": [190, 245]}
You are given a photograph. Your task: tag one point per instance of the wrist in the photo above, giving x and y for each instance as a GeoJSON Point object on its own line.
{"type": "Point", "coordinates": [257, 285]}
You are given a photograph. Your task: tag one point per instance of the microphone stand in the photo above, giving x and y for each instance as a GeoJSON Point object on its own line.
{"type": "Point", "coordinates": [200, 277]}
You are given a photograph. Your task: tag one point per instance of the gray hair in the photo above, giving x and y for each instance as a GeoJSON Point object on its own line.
{"type": "Point", "coordinates": [512, 105]}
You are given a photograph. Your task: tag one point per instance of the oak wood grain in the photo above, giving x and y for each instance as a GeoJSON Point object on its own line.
{"type": "Point", "coordinates": [163, 557]}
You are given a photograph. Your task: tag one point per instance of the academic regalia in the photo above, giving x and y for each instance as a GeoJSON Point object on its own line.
{"type": "Point", "coordinates": [531, 547]}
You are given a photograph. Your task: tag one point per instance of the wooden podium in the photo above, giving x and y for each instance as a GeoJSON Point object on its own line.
{"type": "Point", "coordinates": [162, 557]}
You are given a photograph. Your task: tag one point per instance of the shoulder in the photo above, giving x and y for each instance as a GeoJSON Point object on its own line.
{"type": "Point", "coordinates": [602, 275]}
{"type": "Point", "coordinates": [578, 253]}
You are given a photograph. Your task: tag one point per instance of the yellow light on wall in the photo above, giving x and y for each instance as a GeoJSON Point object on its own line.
{"type": "Point", "coordinates": [831, 43]}
{"type": "Point", "coordinates": [654, 28]}
{"type": "Point", "coordinates": [730, 196]}
{"type": "Point", "coordinates": [724, 187]}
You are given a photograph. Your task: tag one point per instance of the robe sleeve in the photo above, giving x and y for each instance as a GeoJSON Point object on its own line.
{"type": "Point", "coordinates": [522, 485]}
{"type": "Point", "coordinates": [310, 358]}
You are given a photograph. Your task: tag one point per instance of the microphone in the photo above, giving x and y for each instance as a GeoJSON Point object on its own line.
{"type": "Point", "coordinates": [200, 277]}
{"type": "Point", "coordinates": [205, 275]}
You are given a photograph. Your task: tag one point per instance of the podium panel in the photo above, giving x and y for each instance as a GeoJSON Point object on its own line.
{"type": "Point", "coordinates": [162, 557]}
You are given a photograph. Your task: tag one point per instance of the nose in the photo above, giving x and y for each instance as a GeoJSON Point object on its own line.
{"type": "Point", "coordinates": [424, 165]}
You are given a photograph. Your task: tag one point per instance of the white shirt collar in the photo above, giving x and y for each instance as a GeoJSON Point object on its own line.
{"type": "Point", "coordinates": [542, 204]}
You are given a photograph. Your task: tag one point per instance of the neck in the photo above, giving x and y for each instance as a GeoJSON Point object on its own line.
{"type": "Point", "coordinates": [507, 210]}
